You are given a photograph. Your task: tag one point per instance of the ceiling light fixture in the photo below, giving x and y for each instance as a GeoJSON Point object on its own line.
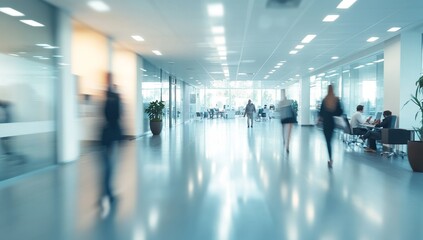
{"type": "Point", "coordinates": [334, 57]}
{"type": "Point", "coordinates": [215, 10]}
{"type": "Point", "coordinates": [330, 18]}
{"type": "Point", "coordinates": [98, 6]}
{"type": "Point", "coordinates": [157, 52]}
{"type": "Point", "coordinates": [218, 30]}
{"type": "Point", "coordinates": [43, 45]}
{"type": "Point", "coordinates": [138, 38]}
{"type": "Point", "coordinates": [372, 39]}
{"type": "Point", "coordinates": [293, 52]}
{"type": "Point", "coordinates": [394, 29]}
{"type": "Point", "coordinates": [299, 47]}
{"type": "Point", "coordinates": [311, 69]}
{"type": "Point", "coordinates": [380, 60]}
{"type": "Point", "coordinates": [11, 12]}
{"type": "Point", "coordinates": [308, 38]}
{"type": "Point", "coordinates": [219, 40]}
{"type": "Point", "coordinates": [32, 23]}
{"type": "Point", "coordinates": [345, 4]}
{"type": "Point", "coordinates": [142, 69]}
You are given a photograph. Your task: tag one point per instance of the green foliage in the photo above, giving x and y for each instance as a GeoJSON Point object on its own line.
{"type": "Point", "coordinates": [417, 99]}
{"type": "Point", "coordinates": [295, 107]}
{"type": "Point", "coordinates": [155, 110]}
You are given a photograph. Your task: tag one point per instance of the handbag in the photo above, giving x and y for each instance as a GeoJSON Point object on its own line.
{"type": "Point", "coordinates": [286, 112]}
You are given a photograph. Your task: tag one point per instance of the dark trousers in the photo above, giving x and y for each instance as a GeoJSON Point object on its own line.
{"type": "Point", "coordinates": [371, 137]}
{"type": "Point", "coordinates": [359, 131]}
{"type": "Point", "coordinates": [107, 164]}
{"type": "Point", "coordinates": [328, 132]}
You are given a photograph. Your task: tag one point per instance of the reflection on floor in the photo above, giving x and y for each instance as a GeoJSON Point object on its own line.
{"type": "Point", "coordinates": [218, 179]}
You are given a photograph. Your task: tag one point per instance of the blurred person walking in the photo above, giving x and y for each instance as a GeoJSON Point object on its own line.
{"type": "Point", "coordinates": [111, 134]}
{"type": "Point", "coordinates": [250, 109]}
{"type": "Point", "coordinates": [5, 117]}
{"type": "Point", "coordinates": [288, 118]}
{"type": "Point", "coordinates": [331, 107]}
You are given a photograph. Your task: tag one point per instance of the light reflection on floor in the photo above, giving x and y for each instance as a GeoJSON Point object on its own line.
{"type": "Point", "coordinates": [218, 179]}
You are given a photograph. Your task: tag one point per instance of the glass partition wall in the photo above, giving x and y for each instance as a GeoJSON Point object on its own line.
{"type": "Point", "coordinates": [28, 75]}
{"type": "Point", "coordinates": [360, 82]}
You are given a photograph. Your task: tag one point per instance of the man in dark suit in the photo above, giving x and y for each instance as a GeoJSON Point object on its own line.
{"type": "Point", "coordinates": [375, 134]}
{"type": "Point", "coordinates": [111, 134]}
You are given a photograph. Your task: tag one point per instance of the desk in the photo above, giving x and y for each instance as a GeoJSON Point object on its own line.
{"type": "Point", "coordinates": [367, 125]}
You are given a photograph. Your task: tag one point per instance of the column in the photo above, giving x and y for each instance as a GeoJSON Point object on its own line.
{"type": "Point", "coordinates": [402, 68]}
{"type": "Point", "coordinates": [67, 116]}
{"type": "Point", "coordinates": [304, 104]}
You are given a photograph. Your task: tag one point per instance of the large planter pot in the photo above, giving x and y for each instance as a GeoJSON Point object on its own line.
{"type": "Point", "coordinates": [415, 155]}
{"type": "Point", "coordinates": [156, 127]}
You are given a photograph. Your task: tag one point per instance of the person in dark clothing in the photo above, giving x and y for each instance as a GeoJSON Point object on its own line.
{"type": "Point", "coordinates": [6, 118]}
{"type": "Point", "coordinates": [110, 135]}
{"type": "Point", "coordinates": [331, 106]}
{"type": "Point", "coordinates": [375, 134]}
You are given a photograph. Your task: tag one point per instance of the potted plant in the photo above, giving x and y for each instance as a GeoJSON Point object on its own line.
{"type": "Point", "coordinates": [415, 148]}
{"type": "Point", "coordinates": [155, 114]}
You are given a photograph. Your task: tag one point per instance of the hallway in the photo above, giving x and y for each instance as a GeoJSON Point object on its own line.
{"type": "Point", "coordinates": [217, 179]}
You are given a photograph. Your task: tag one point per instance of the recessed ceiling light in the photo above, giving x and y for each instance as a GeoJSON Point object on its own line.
{"type": "Point", "coordinates": [219, 40]}
{"type": "Point", "coordinates": [372, 39]}
{"type": "Point", "coordinates": [32, 23]}
{"type": "Point", "coordinates": [242, 74]}
{"type": "Point", "coordinates": [215, 10]}
{"type": "Point", "coordinates": [369, 64]}
{"type": "Point", "coordinates": [11, 12]}
{"type": "Point", "coordinates": [137, 38]}
{"type": "Point", "coordinates": [308, 38]}
{"type": "Point", "coordinates": [218, 30]}
{"type": "Point", "coordinates": [361, 66]}
{"type": "Point", "coordinates": [297, 75]}
{"type": "Point", "coordinates": [293, 52]}
{"type": "Point", "coordinates": [221, 48]}
{"type": "Point", "coordinates": [142, 69]}
{"type": "Point", "coordinates": [14, 55]}
{"type": "Point", "coordinates": [334, 57]}
{"type": "Point", "coordinates": [98, 6]}
{"type": "Point", "coordinates": [299, 47]}
{"type": "Point", "coordinates": [57, 56]}
{"type": "Point", "coordinates": [157, 52]}
{"type": "Point", "coordinates": [394, 29]}
{"type": "Point", "coordinates": [223, 58]}
{"type": "Point", "coordinates": [277, 66]}
{"type": "Point", "coordinates": [380, 60]}
{"type": "Point", "coordinates": [42, 45]}
{"type": "Point", "coordinates": [330, 18]}
{"type": "Point", "coordinates": [345, 4]}
{"type": "Point", "coordinates": [311, 69]}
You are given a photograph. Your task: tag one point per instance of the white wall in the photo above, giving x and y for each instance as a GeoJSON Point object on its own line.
{"type": "Point", "coordinates": [403, 61]}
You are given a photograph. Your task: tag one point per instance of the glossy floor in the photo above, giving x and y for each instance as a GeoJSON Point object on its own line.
{"type": "Point", "coordinates": [218, 179]}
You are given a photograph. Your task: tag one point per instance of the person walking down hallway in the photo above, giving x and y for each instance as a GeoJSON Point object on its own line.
{"type": "Point", "coordinates": [111, 134]}
{"type": "Point", "coordinates": [331, 107]}
{"type": "Point", "coordinates": [250, 109]}
{"type": "Point", "coordinates": [288, 118]}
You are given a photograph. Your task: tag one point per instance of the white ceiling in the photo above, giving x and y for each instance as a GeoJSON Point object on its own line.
{"type": "Point", "coordinates": [257, 37]}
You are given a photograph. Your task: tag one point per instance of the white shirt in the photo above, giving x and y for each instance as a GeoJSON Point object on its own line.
{"type": "Point", "coordinates": [356, 120]}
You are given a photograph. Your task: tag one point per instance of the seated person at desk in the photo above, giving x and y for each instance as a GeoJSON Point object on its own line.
{"type": "Point", "coordinates": [375, 134]}
{"type": "Point", "coordinates": [357, 120]}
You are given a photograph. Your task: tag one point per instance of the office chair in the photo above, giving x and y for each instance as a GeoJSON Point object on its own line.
{"type": "Point", "coordinates": [349, 137]}
{"type": "Point", "coordinates": [395, 136]}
